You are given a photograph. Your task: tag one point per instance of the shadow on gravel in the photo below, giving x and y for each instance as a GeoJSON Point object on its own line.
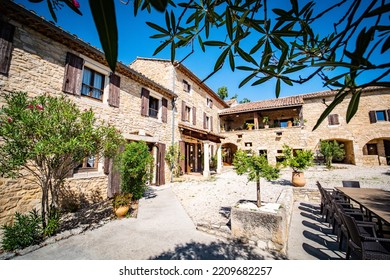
{"type": "Point", "coordinates": [282, 182]}
{"type": "Point", "coordinates": [214, 251]}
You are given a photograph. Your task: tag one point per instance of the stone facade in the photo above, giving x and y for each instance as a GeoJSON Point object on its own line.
{"type": "Point", "coordinates": [201, 102]}
{"type": "Point", "coordinates": [37, 67]}
{"type": "Point", "coordinates": [355, 135]}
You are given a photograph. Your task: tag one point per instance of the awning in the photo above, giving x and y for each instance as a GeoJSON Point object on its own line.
{"type": "Point", "coordinates": [200, 134]}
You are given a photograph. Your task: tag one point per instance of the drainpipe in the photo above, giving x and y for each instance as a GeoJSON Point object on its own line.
{"type": "Point", "coordinates": [173, 112]}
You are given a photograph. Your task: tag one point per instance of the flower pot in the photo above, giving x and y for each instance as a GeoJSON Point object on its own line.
{"type": "Point", "coordinates": [122, 211]}
{"type": "Point", "coordinates": [289, 124]}
{"type": "Point", "coordinates": [298, 179]}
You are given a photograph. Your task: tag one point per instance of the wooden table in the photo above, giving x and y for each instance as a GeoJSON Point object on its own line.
{"type": "Point", "coordinates": [376, 201]}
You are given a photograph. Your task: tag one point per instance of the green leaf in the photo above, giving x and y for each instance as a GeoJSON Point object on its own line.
{"type": "Point", "coordinates": [379, 11]}
{"type": "Point", "coordinates": [159, 5]}
{"type": "Point", "coordinates": [229, 23]}
{"type": "Point", "coordinates": [246, 68]}
{"type": "Point", "coordinates": [161, 47]}
{"type": "Point", "coordinates": [103, 12]}
{"type": "Point", "coordinates": [167, 21]}
{"type": "Point", "coordinates": [246, 56]}
{"type": "Point", "coordinates": [231, 61]}
{"type": "Point", "coordinates": [53, 14]}
{"type": "Point", "coordinates": [215, 43]}
{"type": "Point", "coordinates": [173, 20]}
{"type": "Point", "coordinates": [294, 69]}
{"type": "Point", "coordinates": [337, 100]}
{"type": "Point", "coordinates": [277, 88]}
{"type": "Point", "coordinates": [247, 79]}
{"type": "Point", "coordinates": [201, 44]}
{"type": "Point", "coordinates": [262, 80]}
{"type": "Point", "coordinates": [173, 51]}
{"type": "Point", "coordinates": [158, 28]}
{"type": "Point", "coordinates": [386, 45]}
{"type": "Point", "coordinates": [353, 105]}
{"type": "Point", "coordinates": [221, 59]}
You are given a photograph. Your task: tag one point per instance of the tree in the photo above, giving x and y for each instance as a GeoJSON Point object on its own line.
{"type": "Point", "coordinates": [245, 100]}
{"type": "Point", "coordinates": [257, 167]}
{"type": "Point", "coordinates": [287, 43]}
{"type": "Point", "coordinates": [331, 150]}
{"type": "Point", "coordinates": [223, 92]}
{"type": "Point", "coordinates": [43, 138]}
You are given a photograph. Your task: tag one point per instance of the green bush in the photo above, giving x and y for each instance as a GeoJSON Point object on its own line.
{"type": "Point", "coordinates": [53, 222]}
{"type": "Point", "coordinates": [135, 168]}
{"type": "Point", "coordinates": [302, 159]}
{"type": "Point", "coordinates": [25, 231]}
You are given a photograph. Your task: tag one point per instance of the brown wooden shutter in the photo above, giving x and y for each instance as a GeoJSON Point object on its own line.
{"type": "Point", "coordinates": [182, 146]}
{"type": "Point", "coordinates": [114, 90]}
{"type": "Point", "coordinates": [333, 119]}
{"type": "Point", "coordinates": [164, 116]}
{"type": "Point", "coordinates": [73, 74]}
{"type": "Point", "coordinates": [114, 178]}
{"type": "Point", "coordinates": [372, 116]}
{"type": "Point", "coordinates": [204, 120]}
{"type": "Point", "coordinates": [106, 166]}
{"type": "Point", "coordinates": [6, 40]}
{"type": "Point", "coordinates": [194, 115]}
{"type": "Point", "coordinates": [211, 123]}
{"type": "Point", "coordinates": [145, 102]}
{"type": "Point", "coordinates": [183, 110]}
{"type": "Point", "coordinates": [161, 164]}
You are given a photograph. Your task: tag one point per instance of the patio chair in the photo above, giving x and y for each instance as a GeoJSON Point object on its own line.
{"type": "Point", "coordinates": [351, 184]}
{"type": "Point", "coordinates": [364, 243]}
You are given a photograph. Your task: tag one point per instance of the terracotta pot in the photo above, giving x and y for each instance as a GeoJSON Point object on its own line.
{"type": "Point", "coordinates": [122, 211]}
{"type": "Point", "coordinates": [298, 179]}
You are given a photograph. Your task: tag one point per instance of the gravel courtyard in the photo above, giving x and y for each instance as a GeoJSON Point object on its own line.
{"type": "Point", "coordinates": [209, 201]}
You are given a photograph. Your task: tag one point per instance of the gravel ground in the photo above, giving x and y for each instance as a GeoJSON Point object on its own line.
{"type": "Point", "coordinates": [209, 201]}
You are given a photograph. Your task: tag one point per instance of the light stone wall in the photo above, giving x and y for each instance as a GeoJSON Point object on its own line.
{"type": "Point", "coordinates": [37, 67]}
{"type": "Point", "coordinates": [164, 73]}
{"type": "Point", "coordinates": [355, 135]}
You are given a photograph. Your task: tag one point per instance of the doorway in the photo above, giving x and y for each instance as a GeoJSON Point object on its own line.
{"type": "Point", "coordinates": [387, 150]}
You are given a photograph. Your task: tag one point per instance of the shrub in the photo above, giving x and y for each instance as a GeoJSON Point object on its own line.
{"type": "Point", "coordinates": [25, 231]}
{"type": "Point", "coordinates": [53, 222]}
{"type": "Point", "coordinates": [135, 168]}
{"type": "Point", "coordinates": [331, 150]}
{"type": "Point", "coordinates": [302, 159]}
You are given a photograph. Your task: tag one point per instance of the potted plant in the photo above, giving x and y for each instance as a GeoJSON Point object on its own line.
{"type": "Point", "coordinates": [121, 204]}
{"type": "Point", "coordinates": [265, 121]}
{"type": "Point", "coordinates": [299, 162]}
{"type": "Point", "coordinates": [250, 126]}
{"type": "Point", "coordinates": [289, 123]}
{"type": "Point", "coordinates": [296, 122]}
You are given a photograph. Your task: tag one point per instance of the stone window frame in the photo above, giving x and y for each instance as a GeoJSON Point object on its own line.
{"type": "Point", "coordinates": [209, 102]}
{"type": "Point", "coordinates": [373, 115]}
{"type": "Point", "coordinates": [186, 86]}
{"type": "Point", "coordinates": [91, 86]}
{"type": "Point", "coordinates": [162, 106]}
{"type": "Point", "coordinates": [84, 165]}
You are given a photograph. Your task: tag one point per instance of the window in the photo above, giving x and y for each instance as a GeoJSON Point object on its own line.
{"type": "Point", "coordinates": [333, 119]}
{"type": "Point", "coordinates": [209, 102]}
{"type": "Point", "coordinates": [6, 40]}
{"type": "Point", "coordinates": [207, 121]}
{"type": "Point", "coordinates": [153, 107]}
{"type": "Point", "coordinates": [89, 163]}
{"type": "Point", "coordinates": [372, 149]}
{"type": "Point", "coordinates": [187, 114]}
{"type": "Point", "coordinates": [186, 86]}
{"type": "Point", "coordinates": [379, 116]}
{"type": "Point", "coordinates": [248, 144]}
{"type": "Point", "coordinates": [92, 84]}
{"type": "Point", "coordinates": [264, 153]}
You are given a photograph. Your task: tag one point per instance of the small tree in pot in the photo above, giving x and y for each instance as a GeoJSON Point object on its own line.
{"type": "Point", "coordinates": [300, 161]}
{"type": "Point", "coordinates": [257, 167]}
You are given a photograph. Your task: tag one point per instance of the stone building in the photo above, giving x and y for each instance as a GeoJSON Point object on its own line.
{"type": "Point", "coordinates": [196, 121]}
{"type": "Point", "coordinates": [39, 58]}
{"type": "Point", "coordinates": [265, 126]}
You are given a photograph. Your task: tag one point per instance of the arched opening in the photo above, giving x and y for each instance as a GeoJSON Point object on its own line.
{"type": "Point", "coordinates": [377, 152]}
{"type": "Point", "coordinates": [349, 152]}
{"type": "Point", "coordinates": [228, 151]}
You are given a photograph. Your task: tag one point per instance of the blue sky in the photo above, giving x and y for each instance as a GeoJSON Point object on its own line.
{"type": "Point", "coordinates": [134, 42]}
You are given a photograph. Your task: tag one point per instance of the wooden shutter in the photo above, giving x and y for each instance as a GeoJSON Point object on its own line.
{"type": "Point", "coordinates": [204, 120]}
{"type": "Point", "coordinates": [182, 155]}
{"type": "Point", "coordinates": [333, 119]}
{"type": "Point", "coordinates": [145, 102]}
{"type": "Point", "coordinates": [372, 116]}
{"type": "Point", "coordinates": [183, 111]}
{"type": "Point", "coordinates": [161, 164]}
{"type": "Point", "coordinates": [73, 74]}
{"type": "Point", "coordinates": [114, 178]}
{"type": "Point", "coordinates": [106, 166]}
{"type": "Point", "coordinates": [114, 90]}
{"type": "Point", "coordinates": [194, 115]}
{"type": "Point", "coordinates": [211, 123]}
{"type": "Point", "coordinates": [164, 116]}
{"type": "Point", "coordinates": [6, 39]}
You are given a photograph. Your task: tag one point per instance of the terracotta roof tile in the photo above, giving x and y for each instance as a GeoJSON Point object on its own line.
{"type": "Point", "coordinates": [264, 104]}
